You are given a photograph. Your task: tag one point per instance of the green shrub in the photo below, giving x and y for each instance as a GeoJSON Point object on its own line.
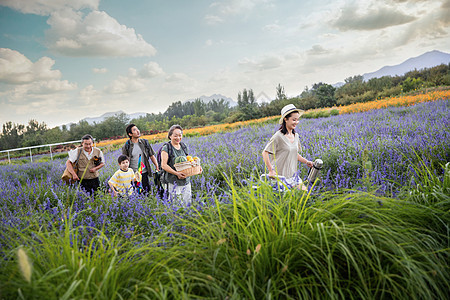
{"type": "Point", "coordinates": [334, 112]}
{"type": "Point", "coordinates": [309, 115]}
{"type": "Point", "coordinates": [389, 92]}
{"type": "Point", "coordinates": [323, 114]}
{"type": "Point", "coordinates": [60, 156]}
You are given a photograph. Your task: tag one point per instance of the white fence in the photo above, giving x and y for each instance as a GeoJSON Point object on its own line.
{"type": "Point", "coordinates": [40, 146]}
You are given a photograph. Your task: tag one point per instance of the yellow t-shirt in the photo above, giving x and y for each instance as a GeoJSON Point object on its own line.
{"type": "Point", "coordinates": [121, 181]}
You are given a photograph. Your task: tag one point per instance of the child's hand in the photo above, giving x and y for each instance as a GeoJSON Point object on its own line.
{"type": "Point", "coordinates": [138, 176]}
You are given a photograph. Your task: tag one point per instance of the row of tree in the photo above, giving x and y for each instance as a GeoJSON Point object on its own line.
{"type": "Point", "coordinates": [198, 113]}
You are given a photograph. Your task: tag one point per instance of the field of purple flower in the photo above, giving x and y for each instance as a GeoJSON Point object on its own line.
{"type": "Point", "coordinates": [383, 152]}
{"type": "Point", "coordinates": [374, 151]}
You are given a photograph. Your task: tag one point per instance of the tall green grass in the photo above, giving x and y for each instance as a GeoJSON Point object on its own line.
{"type": "Point", "coordinates": [264, 244]}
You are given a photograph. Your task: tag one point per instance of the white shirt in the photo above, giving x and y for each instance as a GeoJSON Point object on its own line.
{"type": "Point", "coordinates": [73, 155]}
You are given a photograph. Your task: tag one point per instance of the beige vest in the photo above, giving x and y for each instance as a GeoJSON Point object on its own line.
{"type": "Point", "coordinates": [84, 162]}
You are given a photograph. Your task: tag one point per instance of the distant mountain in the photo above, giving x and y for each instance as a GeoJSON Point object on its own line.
{"type": "Point", "coordinates": [111, 114]}
{"type": "Point", "coordinates": [208, 99]}
{"type": "Point", "coordinates": [426, 60]}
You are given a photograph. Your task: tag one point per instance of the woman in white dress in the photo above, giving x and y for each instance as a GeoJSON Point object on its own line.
{"type": "Point", "coordinates": [281, 154]}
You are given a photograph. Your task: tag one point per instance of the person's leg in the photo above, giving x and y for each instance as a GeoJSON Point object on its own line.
{"type": "Point", "coordinates": [145, 183]}
{"type": "Point", "coordinates": [86, 185]}
{"type": "Point", "coordinates": [174, 193]}
{"type": "Point", "coordinates": [95, 184]}
{"type": "Point", "coordinates": [187, 194]}
{"type": "Point", "coordinates": [181, 195]}
{"type": "Point", "coordinates": [171, 190]}
{"type": "Point", "coordinates": [90, 185]}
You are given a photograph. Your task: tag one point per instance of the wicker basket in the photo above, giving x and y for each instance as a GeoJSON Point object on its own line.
{"type": "Point", "coordinates": [189, 168]}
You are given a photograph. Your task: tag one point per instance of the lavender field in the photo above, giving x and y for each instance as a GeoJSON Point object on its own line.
{"type": "Point", "coordinates": [381, 156]}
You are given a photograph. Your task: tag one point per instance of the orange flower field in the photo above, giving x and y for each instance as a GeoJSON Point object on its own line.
{"type": "Point", "coordinates": [406, 100]}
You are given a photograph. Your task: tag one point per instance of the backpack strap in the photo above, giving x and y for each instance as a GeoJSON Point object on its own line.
{"type": "Point", "coordinates": [147, 145]}
{"type": "Point", "coordinates": [184, 147]}
{"type": "Point", "coordinates": [78, 156]}
{"type": "Point", "coordinates": [127, 147]}
{"type": "Point", "coordinates": [169, 153]}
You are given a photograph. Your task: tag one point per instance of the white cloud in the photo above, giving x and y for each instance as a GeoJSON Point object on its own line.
{"type": "Point", "coordinates": [135, 81]}
{"type": "Point", "coordinates": [125, 85]}
{"type": "Point", "coordinates": [372, 18]}
{"type": "Point", "coordinates": [225, 9]}
{"type": "Point", "coordinates": [213, 19]}
{"type": "Point", "coordinates": [51, 87]}
{"type": "Point", "coordinates": [433, 25]}
{"type": "Point", "coordinates": [274, 27]}
{"type": "Point", "coordinates": [71, 33]}
{"type": "Point", "coordinates": [31, 87]}
{"type": "Point", "coordinates": [16, 68]}
{"type": "Point", "coordinates": [180, 83]}
{"type": "Point", "coordinates": [176, 77]}
{"type": "Point", "coordinates": [46, 7]}
{"type": "Point", "coordinates": [238, 7]}
{"type": "Point", "coordinates": [266, 62]}
{"type": "Point", "coordinates": [210, 43]}
{"type": "Point", "coordinates": [150, 70]}
{"type": "Point", "coordinates": [317, 50]}
{"type": "Point", "coordinates": [100, 70]}
{"type": "Point", "coordinates": [89, 95]}
{"type": "Point", "coordinates": [97, 35]}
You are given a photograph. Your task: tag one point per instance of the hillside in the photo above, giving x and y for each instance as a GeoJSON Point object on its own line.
{"type": "Point", "coordinates": [426, 60]}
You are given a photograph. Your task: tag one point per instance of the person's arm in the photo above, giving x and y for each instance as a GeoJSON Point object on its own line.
{"type": "Point", "coordinates": [167, 168]}
{"type": "Point", "coordinates": [155, 162]}
{"type": "Point", "coordinates": [101, 165]}
{"type": "Point", "coordinates": [304, 160]}
{"type": "Point", "coordinates": [113, 189]}
{"type": "Point", "coordinates": [269, 167]}
{"type": "Point", "coordinates": [96, 168]}
{"type": "Point", "coordinates": [71, 170]}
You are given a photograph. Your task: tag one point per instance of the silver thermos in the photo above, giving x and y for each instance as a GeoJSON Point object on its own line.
{"type": "Point", "coordinates": [314, 171]}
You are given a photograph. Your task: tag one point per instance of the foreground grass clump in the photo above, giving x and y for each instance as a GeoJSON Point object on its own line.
{"type": "Point", "coordinates": [263, 244]}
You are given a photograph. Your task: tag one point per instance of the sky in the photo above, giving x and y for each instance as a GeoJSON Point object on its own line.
{"type": "Point", "coordinates": [64, 60]}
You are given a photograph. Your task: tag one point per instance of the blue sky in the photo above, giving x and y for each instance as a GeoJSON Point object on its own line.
{"type": "Point", "coordinates": [64, 60]}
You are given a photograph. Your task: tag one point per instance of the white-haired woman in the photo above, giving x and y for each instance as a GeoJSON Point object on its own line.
{"type": "Point", "coordinates": [178, 185]}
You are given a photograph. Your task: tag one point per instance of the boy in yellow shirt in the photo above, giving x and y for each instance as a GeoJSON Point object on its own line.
{"type": "Point", "coordinates": [120, 182]}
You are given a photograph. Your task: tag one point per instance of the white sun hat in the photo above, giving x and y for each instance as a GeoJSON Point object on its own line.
{"type": "Point", "coordinates": [287, 110]}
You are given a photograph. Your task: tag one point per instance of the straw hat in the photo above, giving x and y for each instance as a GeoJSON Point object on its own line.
{"type": "Point", "coordinates": [287, 110]}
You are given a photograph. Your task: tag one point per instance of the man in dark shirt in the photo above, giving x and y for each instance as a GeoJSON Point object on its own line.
{"type": "Point", "coordinates": [135, 147]}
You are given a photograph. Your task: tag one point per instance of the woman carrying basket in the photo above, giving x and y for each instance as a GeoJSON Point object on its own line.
{"type": "Point", "coordinates": [179, 185]}
{"type": "Point", "coordinates": [281, 154]}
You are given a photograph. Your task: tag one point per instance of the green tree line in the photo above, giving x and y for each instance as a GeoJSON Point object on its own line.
{"type": "Point", "coordinates": [198, 113]}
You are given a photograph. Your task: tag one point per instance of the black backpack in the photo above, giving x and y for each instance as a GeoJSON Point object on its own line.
{"type": "Point", "coordinates": [160, 176]}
